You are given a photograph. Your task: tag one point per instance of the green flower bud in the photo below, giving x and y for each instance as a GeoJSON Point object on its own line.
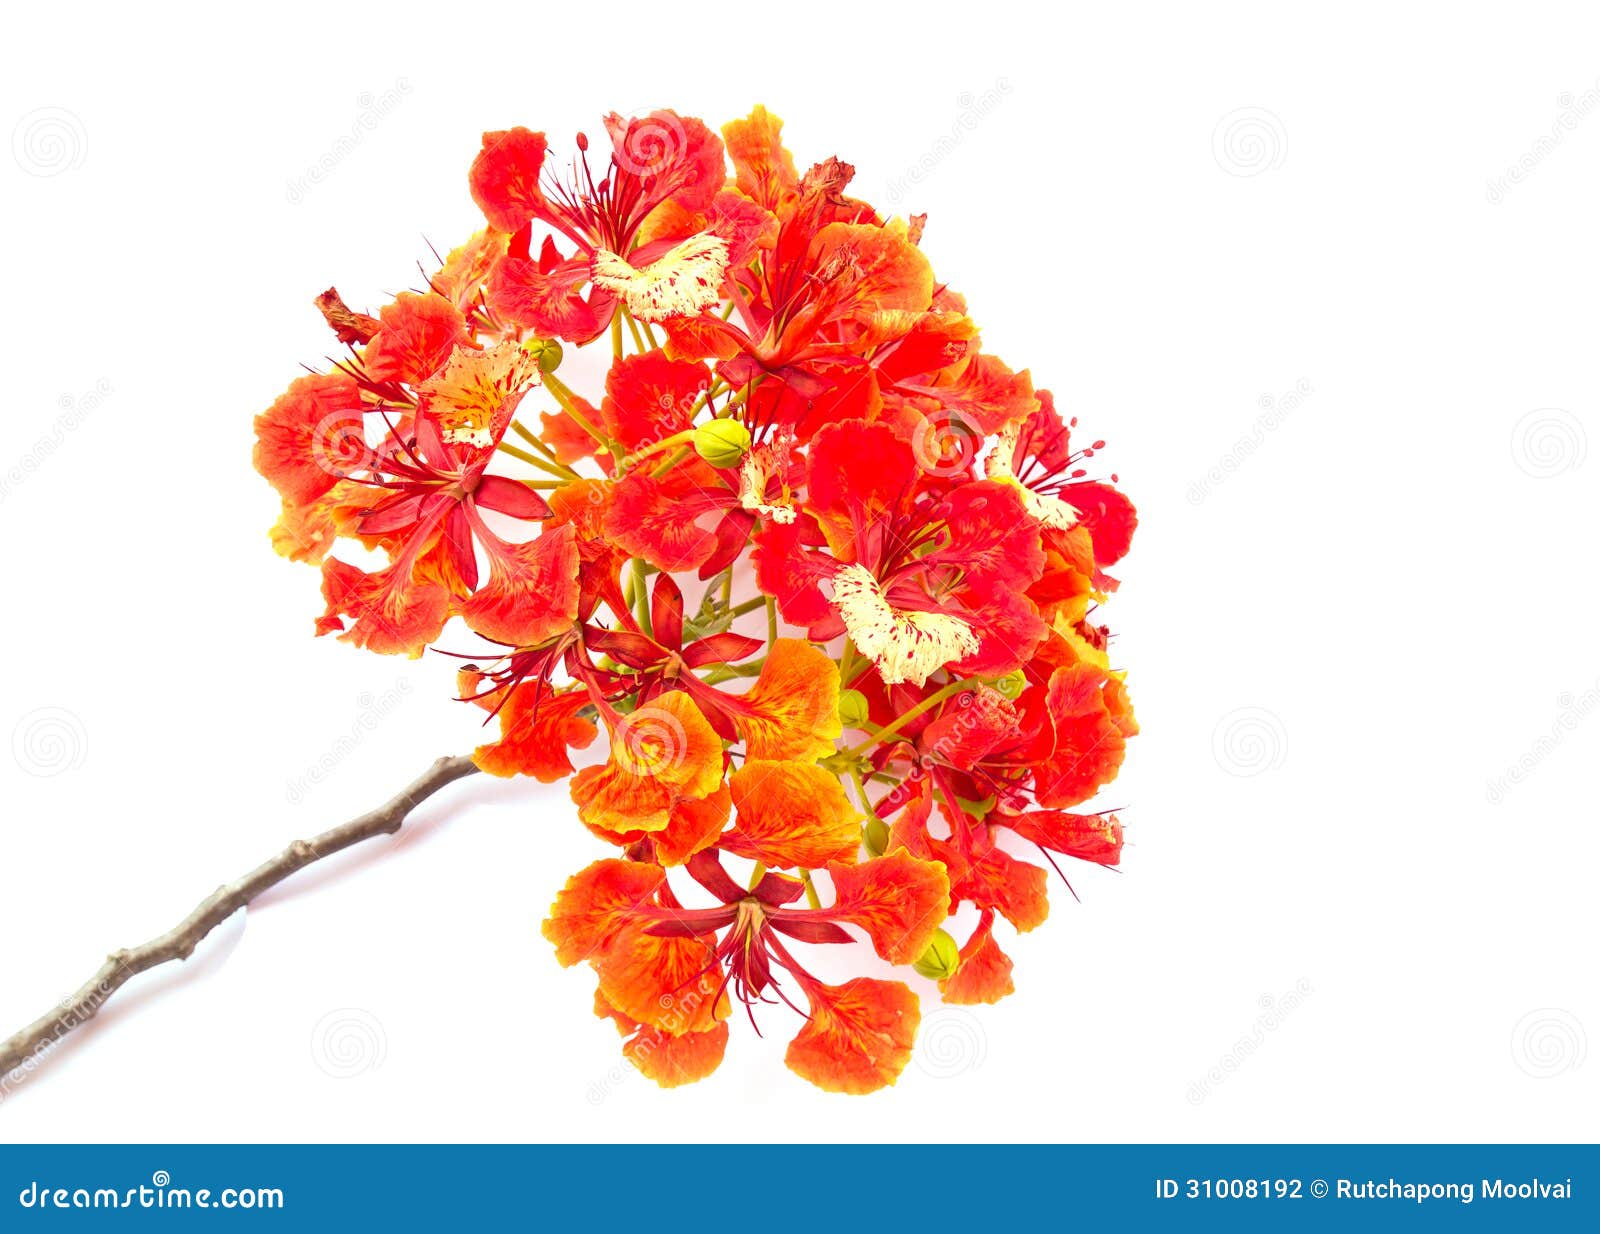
{"type": "Point", "coordinates": [547, 351]}
{"type": "Point", "coordinates": [1012, 684]}
{"type": "Point", "coordinates": [721, 443]}
{"type": "Point", "coordinates": [941, 959]}
{"type": "Point", "coordinates": [875, 835]}
{"type": "Point", "coordinates": [852, 708]}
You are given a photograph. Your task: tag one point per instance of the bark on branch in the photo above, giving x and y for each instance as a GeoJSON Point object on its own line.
{"type": "Point", "coordinates": [178, 943]}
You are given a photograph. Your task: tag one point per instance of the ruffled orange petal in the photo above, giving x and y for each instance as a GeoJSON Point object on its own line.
{"type": "Point", "coordinates": [596, 903]}
{"type": "Point", "coordinates": [532, 592]}
{"type": "Point", "coordinates": [505, 177]}
{"type": "Point", "coordinates": [389, 612]}
{"type": "Point", "coordinates": [692, 826]}
{"type": "Point", "coordinates": [669, 740]}
{"type": "Point", "coordinates": [537, 728]}
{"type": "Point", "coordinates": [899, 900]}
{"type": "Point", "coordinates": [668, 983]}
{"type": "Point", "coordinates": [791, 815]}
{"type": "Point", "coordinates": [792, 712]}
{"type": "Point", "coordinates": [764, 170]}
{"type": "Point", "coordinates": [1019, 890]}
{"type": "Point", "coordinates": [887, 270]}
{"type": "Point", "coordinates": [695, 825]}
{"type": "Point", "coordinates": [984, 973]}
{"type": "Point", "coordinates": [859, 1036]}
{"type": "Point", "coordinates": [612, 799]}
{"type": "Point", "coordinates": [310, 437]}
{"type": "Point", "coordinates": [659, 1056]}
{"type": "Point", "coordinates": [419, 333]}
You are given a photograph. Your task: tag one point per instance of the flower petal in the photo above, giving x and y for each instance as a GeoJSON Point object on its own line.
{"type": "Point", "coordinates": [792, 712]}
{"type": "Point", "coordinates": [859, 1036]}
{"type": "Point", "coordinates": [899, 900]}
{"type": "Point", "coordinates": [791, 814]}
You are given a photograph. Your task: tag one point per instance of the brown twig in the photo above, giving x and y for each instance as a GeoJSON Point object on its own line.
{"type": "Point", "coordinates": [29, 1046]}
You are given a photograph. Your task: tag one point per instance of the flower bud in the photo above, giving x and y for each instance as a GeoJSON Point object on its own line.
{"type": "Point", "coordinates": [875, 835]}
{"type": "Point", "coordinates": [941, 959]}
{"type": "Point", "coordinates": [852, 708]}
{"type": "Point", "coordinates": [547, 351]}
{"type": "Point", "coordinates": [1012, 684]}
{"type": "Point", "coordinates": [721, 443]}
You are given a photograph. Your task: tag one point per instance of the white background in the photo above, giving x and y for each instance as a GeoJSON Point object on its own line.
{"type": "Point", "coordinates": [1352, 395]}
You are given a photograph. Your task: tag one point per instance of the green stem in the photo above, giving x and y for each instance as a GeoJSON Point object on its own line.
{"type": "Point", "coordinates": [894, 726]}
{"type": "Point", "coordinates": [569, 404]}
{"type": "Point", "coordinates": [759, 873]}
{"type": "Point", "coordinates": [682, 453]}
{"type": "Point", "coordinates": [644, 452]}
{"type": "Point", "coordinates": [811, 891]}
{"type": "Point", "coordinates": [641, 595]}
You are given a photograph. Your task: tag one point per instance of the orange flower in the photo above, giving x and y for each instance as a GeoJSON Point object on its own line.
{"type": "Point", "coordinates": [796, 409]}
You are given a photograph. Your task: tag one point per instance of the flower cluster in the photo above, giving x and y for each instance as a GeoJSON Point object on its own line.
{"type": "Point", "coordinates": [896, 536]}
